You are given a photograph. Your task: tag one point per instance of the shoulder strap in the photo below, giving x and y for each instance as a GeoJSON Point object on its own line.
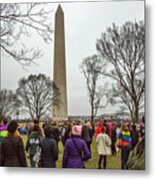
{"type": "Point", "coordinates": [75, 145]}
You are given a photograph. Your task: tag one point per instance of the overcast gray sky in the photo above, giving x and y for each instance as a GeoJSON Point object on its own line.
{"type": "Point", "coordinates": [84, 23]}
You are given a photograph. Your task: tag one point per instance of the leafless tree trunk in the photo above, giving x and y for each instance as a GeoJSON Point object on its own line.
{"type": "Point", "coordinates": [91, 68]}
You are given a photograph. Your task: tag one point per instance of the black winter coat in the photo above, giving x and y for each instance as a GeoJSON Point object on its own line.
{"type": "Point", "coordinates": [49, 152]}
{"type": "Point", "coordinates": [12, 152]}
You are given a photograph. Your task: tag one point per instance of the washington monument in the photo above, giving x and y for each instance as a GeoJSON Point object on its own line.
{"type": "Point", "coordinates": [60, 112]}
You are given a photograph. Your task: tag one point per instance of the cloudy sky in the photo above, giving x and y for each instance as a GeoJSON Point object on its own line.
{"type": "Point", "coordinates": [84, 23]}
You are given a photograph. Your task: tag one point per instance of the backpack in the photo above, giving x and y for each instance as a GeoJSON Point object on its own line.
{"type": "Point", "coordinates": [37, 155]}
{"type": "Point", "coordinates": [33, 144]}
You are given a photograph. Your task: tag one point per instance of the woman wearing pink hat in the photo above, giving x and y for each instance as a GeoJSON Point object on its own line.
{"type": "Point", "coordinates": [75, 151]}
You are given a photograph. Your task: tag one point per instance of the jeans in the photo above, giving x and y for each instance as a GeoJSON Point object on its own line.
{"type": "Point", "coordinates": [32, 163]}
{"type": "Point", "coordinates": [124, 156]}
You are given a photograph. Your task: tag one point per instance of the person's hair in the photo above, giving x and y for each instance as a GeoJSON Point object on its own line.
{"type": "Point", "coordinates": [36, 121]}
{"type": "Point", "coordinates": [48, 131]}
{"type": "Point", "coordinates": [73, 135]}
{"type": "Point", "coordinates": [103, 130]}
{"type": "Point", "coordinates": [143, 119]}
{"type": "Point", "coordinates": [37, 129]}
{"type": "Point", "coordinates": [12, 127]}
{"type": "Point", "coordinates": [105, 122]}
{"type": "Point", "coordinates": [124, 127]}
{"type": "Point", "coordinates": [5, 121]}
{"type": "Point", "coordinates": [134, 127]}
{"type": "Point", "coordinates": [53, 123]}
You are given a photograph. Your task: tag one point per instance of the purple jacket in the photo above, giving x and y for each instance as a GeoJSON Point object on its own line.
{"type": "Point", "coordinates": [3, 127]}
{"type": "Point", "coordinates": [72, 157]}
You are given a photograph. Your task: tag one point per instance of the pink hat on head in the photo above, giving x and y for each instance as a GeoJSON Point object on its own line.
{"type": "Point", "coordinates": [76, 130]}
{"type": "Point", "coordinates": [109, 123]}
{"type": "Point", "coordinates": [88, 124]}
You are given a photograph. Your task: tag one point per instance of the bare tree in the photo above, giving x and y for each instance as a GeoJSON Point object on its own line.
{"type": "Point", "coordinates": [37, 94]}
{"type": "Point", "coordinates": [91, 68]}
{"type": "Point", "coordinates": [7, 103]}
{"type": "Point", "coordinates": [18, 20]}
{"type": "Point", "coordinates": [124, 49]}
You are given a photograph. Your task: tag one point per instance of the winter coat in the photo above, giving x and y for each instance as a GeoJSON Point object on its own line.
{"type": "Point", "coordinates": [66, 131]}
{"type": "Point", "coordinates": [134, 138]}
{"type": "Point", "coordinates": [49, 152]}
{"type": "Point", "coordinates": [124, 139]}
{"type": "Point", "coordinates": [72, 157]}
{"type": "Point", "coordinates": [86, 134]}
{"type": "Point", "coordinates": [3, 132]}
{"type": "Point", "coordinates": [98, 130]}
{"type": "Point", "coordinates": [112, 134]}
{"type": "Point", "coordinates": [103, 144]}
{"type": "Point", "coordinates": [55, 134]}
{"type": "Point", "coordinates": [12, 152]}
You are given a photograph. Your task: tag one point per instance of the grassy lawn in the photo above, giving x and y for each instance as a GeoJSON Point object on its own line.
{"type": "Point", "coordinates": [112, 162]}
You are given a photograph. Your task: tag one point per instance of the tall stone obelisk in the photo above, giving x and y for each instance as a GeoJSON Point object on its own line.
{"type": "Point", "coordinates": [60, 112]}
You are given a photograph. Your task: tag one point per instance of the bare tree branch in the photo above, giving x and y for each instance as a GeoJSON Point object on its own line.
{"type": "Point", "coordinates": [124, 49]}
{"type": "Point", "coordinates": [37, 94]}
{"type": "Point", "coordinates": [18, 20]}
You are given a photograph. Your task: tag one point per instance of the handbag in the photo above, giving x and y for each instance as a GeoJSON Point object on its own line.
{"type": "Point", "coordinates": [37, 155]}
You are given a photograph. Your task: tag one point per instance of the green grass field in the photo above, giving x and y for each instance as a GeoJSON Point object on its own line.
{"type": "Point", "coordinates": [112, 162]}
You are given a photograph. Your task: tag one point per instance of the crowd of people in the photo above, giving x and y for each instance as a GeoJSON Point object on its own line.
{"type": "Point", "coordinates": [42, 143]}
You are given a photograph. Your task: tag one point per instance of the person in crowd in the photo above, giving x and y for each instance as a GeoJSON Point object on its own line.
{"type": "Point", "coordinates": [86, 134]}
{"type": "Point", "coordinates": [91, 133]}
{"type": "Point", "coordinates": [75, 150]}
{"type": "Point", "coordinates": [113, 139]}
{"type": "Point", "coordinates": [109, 129]}
{"type": "Point", "coordinates": [12, 149]}
{"type": "Point", "coordinates": [23, 130]}
{"type": "Point", "coordinates": [99, 128]}
{"type": "Point", "coordinates": [134, 136]}
{"type": "Point", "coordinates": [3, 129]}
{"type": "Point", "coordinates": [92, 128]}
{"type": "Point", "coordinates": [142, 127]}
{"type": "Point", "coordinates": [118, 129]}
{"type": "Point", "coordinates": [45, 124]}
{"type": "Point", "coordinates": [121, 122]}
{"type": "Point", "coordinates": [33, 144]}
{"type": "Point", "coordinates": [65, 133]}
{"type": "Point", "coordinates": [124, 145]}
{"type": "Point", "coordinates": [55, 132]}
{"type": "Point", "coordinates": [49, 149]}
{"type": "Point", "coordinates": [105, 124]}
{"type": "Point", "coordinates": [78, 122]}
{"type": "Point", "coordinates": [104, 147]}
{"type": "Point", "coordinates": [35, 123]}
{"type": "Point", "coordinates": [136, 160]}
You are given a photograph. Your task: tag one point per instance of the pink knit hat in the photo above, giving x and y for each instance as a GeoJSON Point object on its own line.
{"type": "Point", "coordinates": [76, 130]}
{"type": "Point", "coordinates": [109, 123]}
